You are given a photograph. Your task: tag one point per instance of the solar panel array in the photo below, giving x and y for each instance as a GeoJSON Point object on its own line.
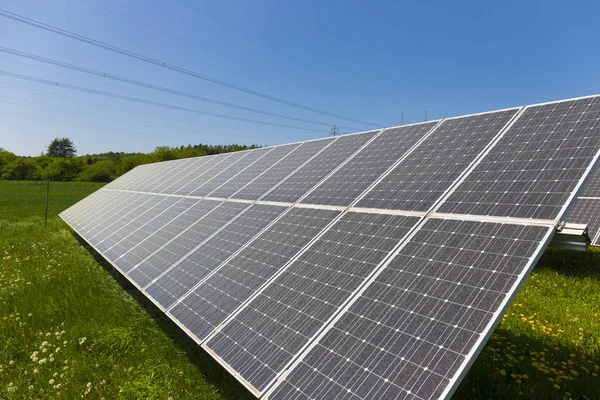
{"type": "Point", "coordinates": [373, 265]}
{"type": "Point", "coordinates": [586, 208]}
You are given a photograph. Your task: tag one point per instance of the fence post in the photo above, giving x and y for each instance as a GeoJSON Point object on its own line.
{"type": "Point", "coordinates": [47, 197]}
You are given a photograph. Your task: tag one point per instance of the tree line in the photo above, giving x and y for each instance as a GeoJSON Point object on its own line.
{"type": "Point", "coordinates": [61, 163]}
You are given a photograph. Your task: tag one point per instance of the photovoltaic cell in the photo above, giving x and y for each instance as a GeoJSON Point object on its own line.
{"type": "Point", "coordinates": [78, 212]}
{"type": "Point", "coordinates": [126, 179]}
{"type": "Point", "coordinates": [181, 174]}
{"type": "Point", "coordinates": [591, 188]}
{"type": "Point", "coordinates": [116, 231]}
{"type": "Point", "coordinates": [272, 329]}
{"type": "Point", "coordinates": [171, 210]}
{"type": "Point", "coordinates": [301, 181]}
{"type": "Point", "coordinates": [237, 280]}
{"type": "Point", "coordinates": [185, 274]}
{"type": "Point", "coordinates": [169, 231]}
{"type": "Point", "coordinates": [270, 160]}
{"type": "Point", "coordinates": [170, 170]}
{"type": "Point", "coordinates": [159, 262]}
{"type": "Point", "coordinates": [134, 231]}
{"type": "Point", "coordinates": [192, 176]}
{"type": "Point", "coordinates": [421, 179]}
{"type": "Point", "coordinates": [586, 211]}
{"type": "Point", "coordinates": [106, 218]}
{"type": "Point", "coordinates": [409, 333]}
{"type": "Point", "coordinates": [254, 189]}
{"type": "Point", "coordinates": [345, 185]}
{"type": "Point", "coordinates": [249, 157]}
{"type": "Point", "coordinates": [86, 220]}
{"type": "Point", "coordinates": [207, 171]}
{"type": "Point", "coordinates": [532, 171]}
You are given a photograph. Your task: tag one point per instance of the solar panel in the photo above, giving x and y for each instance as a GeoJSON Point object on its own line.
{"type": "Point", "coordinates": [345, 185]}
{"type": "Point", "coordinates": [168, 172]}
{"type": "Point", "coordinates": [414, 330]}
{"type": "Point", "coordinates": [254, 189]}
{"type": "Point", "coordinates": [591, 188]}
{"type": "Point", "coordinates": [421, 179]}
{"type": "Point", "coordinates": [187, 272]}
{"type": "Point", "coordinates": [241, 276]}
{"type": "Point", "coordinates": [166, 233]}
{"type": "Point", "coordinates": [248, 158]}
{"type": "Point", "coordinates": [586, 211]}
{"type": "Point", "coordinates": [181, 174]}
{"type": "Point", "coordinates": [271, 160]}
{"type": "Point", "coordinates": [129, 177]}
{"type": "Point", "coordinates": [83, 219]}
{"type": "Point", "coordinates": [272, 329]}
{"type": "Point", "coordinates": [111, 232]}
{"type": "Point", "coordinates": [537, 164]}
{"type": "Point", "coordinates": [133, 230]}
{"type": "Point", "coordinates": [204, 173]}
{"type": "Point", "coordinates": [331, 298]}
{"type": "Point", "coordinates": [160, 261]}
{"type": "Point", "coordinates": [307, 177]}
{"type": "Point", "coordinates": [104, 218]}
{"type": "Point", "coordinates": [170, 212]}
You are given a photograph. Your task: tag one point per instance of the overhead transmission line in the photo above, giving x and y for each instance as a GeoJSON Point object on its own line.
{"type": "Point", "coordinates": [101, 105]}
{"type": "Point", "coordinates": [84, 39]}
{"type": "Point", "coordinates": [159, 88]}
{"type": "Point", "coordinates": [193, 43]}
{"type": "Point", "coordinates": [153, 103]}
{"type": "Point", "coordinates": [105, 117]}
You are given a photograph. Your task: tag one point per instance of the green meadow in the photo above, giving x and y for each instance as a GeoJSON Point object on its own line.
{"type": "Point", "coordinates": [72, 327]}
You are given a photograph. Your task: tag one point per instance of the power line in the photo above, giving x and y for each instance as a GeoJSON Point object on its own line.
{"type": "Point", "coordinates": [153, 103]}
{"type": "Point", "coordinates": [195, 44]}
{"type": "Point", "coordinates": [246, 34]}
{"type": "Point", "coordinates": [108, 118]}
{"type": "Point", "coordinates": [69, 123]}
{"type": "Point", "coordinates": [153, 61]}
{"type": "Point", "coordinates": [155, 87]}
{"type": "Point", "coordinates": [100, 105]}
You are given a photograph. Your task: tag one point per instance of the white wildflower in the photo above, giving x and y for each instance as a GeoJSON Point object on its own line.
{"type": "Point", "coordinates": [51, 381]}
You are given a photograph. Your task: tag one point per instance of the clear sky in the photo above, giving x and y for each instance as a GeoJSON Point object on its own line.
{"type": "Point", "coordinates": [368, 60]}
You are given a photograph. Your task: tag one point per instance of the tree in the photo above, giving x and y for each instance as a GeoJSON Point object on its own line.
{"type": "Point", "coordinates": [23, 168]}
{"type": "Point", "coordinates": [102, 171]}
{"type": "Point", "coordinates": [61, 147]}
{"type": "Point", "coordinates": [63, 169]}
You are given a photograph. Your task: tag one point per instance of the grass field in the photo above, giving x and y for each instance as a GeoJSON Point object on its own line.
{"type": "Point", "coordinates": [70, 327]}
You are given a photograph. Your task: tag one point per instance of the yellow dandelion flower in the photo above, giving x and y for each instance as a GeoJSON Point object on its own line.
{"type": "Point", "coordinates": [572, 355]}
{"type": "Point", "coordinates": [502, 372]}
{"type": "Point", "coordinates": [556, 387]}
{"type": "Point", "coordinates": [513, 376]}
{"type": "Point", "coordinates": [525, 376]}
{"type": "Point", "coordinates": [519, 381]}
{"type": "Point", "coordinates": [574, 373]}
{"type": "Point", "coordinates": [520, 393]}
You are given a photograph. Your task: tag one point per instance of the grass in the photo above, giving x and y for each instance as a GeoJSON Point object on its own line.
{"type": "Point", "coordinates": [70, 327]}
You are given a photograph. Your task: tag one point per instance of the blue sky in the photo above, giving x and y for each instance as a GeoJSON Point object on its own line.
{"type": "Point", "coordinates": [368, 60]}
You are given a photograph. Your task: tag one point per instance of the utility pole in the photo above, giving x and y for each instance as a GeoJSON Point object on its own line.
{"type": "Point", "coordinates": [425, 116]}
{"type": "Point", "coordinates": [402, 119]}
{"type": "Point", "coordinates": [334, 131]}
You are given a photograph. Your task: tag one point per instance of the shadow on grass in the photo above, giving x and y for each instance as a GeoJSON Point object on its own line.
{"type": "Point", "coordinates": [572, 263]}
{"type": "Point", "coordinates": [519, 366]}
{"type": "Point", "coordinates": [212, 371]}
